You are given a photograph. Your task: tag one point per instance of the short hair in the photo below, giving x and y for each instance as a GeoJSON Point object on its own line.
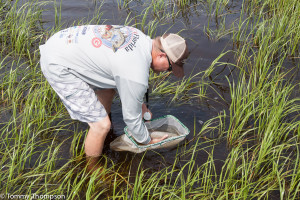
{"type": "Point", "coordinates": [157, 43]}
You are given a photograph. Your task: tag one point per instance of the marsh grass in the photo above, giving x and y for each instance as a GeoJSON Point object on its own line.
{"type": "Point", "coordinates": [261, 127]}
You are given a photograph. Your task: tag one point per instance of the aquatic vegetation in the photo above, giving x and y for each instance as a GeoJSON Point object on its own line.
{"type": "Point", "coordinates": [42, 149]}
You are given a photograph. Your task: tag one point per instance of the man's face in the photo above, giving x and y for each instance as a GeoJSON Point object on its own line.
{"type": "Point", "coordinates": [160, 62]}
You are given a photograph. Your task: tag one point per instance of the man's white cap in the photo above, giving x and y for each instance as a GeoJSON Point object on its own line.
{"type": "Point", "coordinates": [176, 49]}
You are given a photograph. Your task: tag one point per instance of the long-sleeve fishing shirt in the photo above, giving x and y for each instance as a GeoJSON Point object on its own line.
{"type": "Point", "coordinates": [108, 56]}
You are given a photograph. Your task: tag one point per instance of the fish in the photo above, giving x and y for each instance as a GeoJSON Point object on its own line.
{"type": "Point", "coordinates": [118, 43]}
{"type": "Point", "coordinates": [159, 134]}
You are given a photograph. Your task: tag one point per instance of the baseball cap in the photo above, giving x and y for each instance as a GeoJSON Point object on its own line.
{"type": "Point", "coordinates": [176, 49]}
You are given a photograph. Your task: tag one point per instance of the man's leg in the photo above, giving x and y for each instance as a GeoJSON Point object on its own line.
{"type": "Point", "coordinates": [96, 137]}
{"type": "Point", "coordinates": [98, 130]}
{"type": "Point", "coordinates": [106, 96]}
{"type": "Point", "coordinates": [74, 92]}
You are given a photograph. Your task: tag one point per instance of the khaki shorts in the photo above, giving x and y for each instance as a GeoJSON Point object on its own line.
{"type": "Point", "coordinates": [77, 96]}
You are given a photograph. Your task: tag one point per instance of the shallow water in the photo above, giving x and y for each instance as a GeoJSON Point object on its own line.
{"type": "Point", "coordinates": [192, 113]}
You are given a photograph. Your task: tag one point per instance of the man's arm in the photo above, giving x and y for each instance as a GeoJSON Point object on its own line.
{"type": "Point", "coordinates": [131, 94]}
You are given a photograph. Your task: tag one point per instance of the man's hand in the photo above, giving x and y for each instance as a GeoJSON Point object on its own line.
{"type": "Point", "coordinates": [156, 140]}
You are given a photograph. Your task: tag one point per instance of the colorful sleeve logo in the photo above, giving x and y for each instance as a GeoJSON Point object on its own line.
{"type": "Point", "coordinates": [96, 42]}
{"type": "Point", "coordinates": [114, 37]}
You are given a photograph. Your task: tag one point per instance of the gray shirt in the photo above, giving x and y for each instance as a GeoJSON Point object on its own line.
{"type": "Point", "coordinates": [108, 57]}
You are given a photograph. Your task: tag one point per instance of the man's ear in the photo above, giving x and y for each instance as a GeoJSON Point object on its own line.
{"type": "Point", "coordinates": [162, 54]}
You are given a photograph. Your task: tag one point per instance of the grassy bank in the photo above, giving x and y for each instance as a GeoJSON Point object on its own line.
{"type": "Point", "coordinates": [260, 127]}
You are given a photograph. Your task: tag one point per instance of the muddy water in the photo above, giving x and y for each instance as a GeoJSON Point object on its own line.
{"type": "Point", "coordinates": [192, 113]}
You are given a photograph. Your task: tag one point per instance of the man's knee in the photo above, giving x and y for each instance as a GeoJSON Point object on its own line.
{"type": "Point", "coordinates": [102, 126]}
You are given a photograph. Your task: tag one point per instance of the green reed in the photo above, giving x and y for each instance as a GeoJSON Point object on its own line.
{"type": "Point", "coordinates": [20, 27]}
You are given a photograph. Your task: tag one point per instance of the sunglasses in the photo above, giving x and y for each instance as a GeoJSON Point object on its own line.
{"type": "Point", "coordinates": [170, 65]}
